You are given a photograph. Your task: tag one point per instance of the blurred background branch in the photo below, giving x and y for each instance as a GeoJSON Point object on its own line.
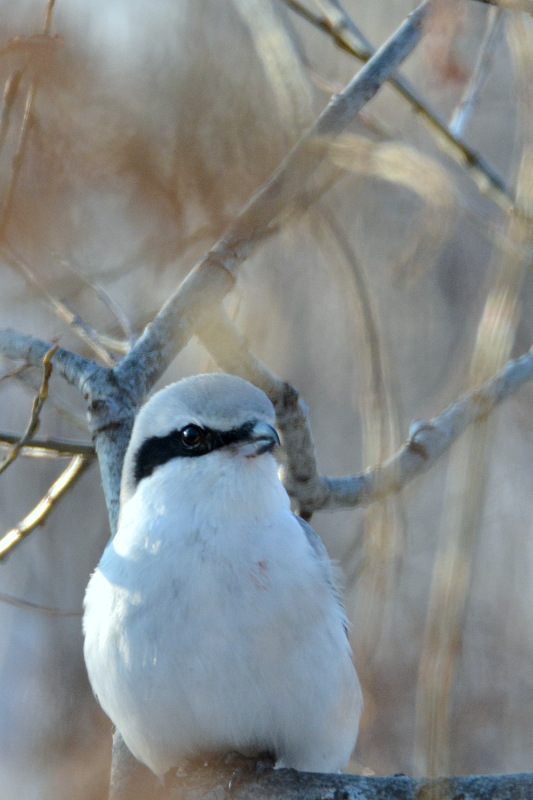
{"type": "Point", "coordinates": [391, 283]}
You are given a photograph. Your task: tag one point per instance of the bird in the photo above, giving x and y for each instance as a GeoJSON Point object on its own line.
{"type": "Point", "coordinates": [213, 622]}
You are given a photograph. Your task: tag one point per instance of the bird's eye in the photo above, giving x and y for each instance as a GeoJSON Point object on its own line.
{"type": "Point", "coordinates": [191, 436]}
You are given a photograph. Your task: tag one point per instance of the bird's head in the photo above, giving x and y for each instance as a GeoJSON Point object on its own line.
{"type": "Point", "coordinates": [195, 417]}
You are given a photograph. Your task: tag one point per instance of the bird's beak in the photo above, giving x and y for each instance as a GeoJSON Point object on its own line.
{"type": "Point", "coordinates": [263, 438]}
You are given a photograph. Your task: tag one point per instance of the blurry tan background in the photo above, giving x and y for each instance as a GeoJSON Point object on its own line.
{"type": "Point", "coordinates": [130, 135]}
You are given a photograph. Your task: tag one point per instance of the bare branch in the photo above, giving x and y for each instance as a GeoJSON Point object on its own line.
{"type": "Point", "coordinates": [470, 98]}
{"type": "Point", "coordinates": [48, 447]}
{"type": "Point", "coordinates": [10, 92]}
{"type": "Point", "coordinates": [376, 555]}
{"type": "Point", "coordinates": [16, 372]}
{"type": "Point", "coordinates": [16, 163]}
{"type": "Point", "coordinates": [427, 441]}
{"type": "Point", "coordinates": [38, 515]}
{"type": "Point", "coordinates": [38, 403]}
{"type": "Point", "coordinates": [121, 317]}
{"type": "Point", "coordinates": [230, 350]}
{"type": "Point", "coordinates": [463, 509]}
{"type": "Point", "coordinates": [213, 277]}
{"type": "Point", "coordinates": [76, 369]}
{"type": "Point", "coordinates": [111, 405]}
{"type": "Point", "coordinates": [24, 378]}
{"type": "Point", "coordinates": [207, 781]}
{"type": "Point", "coordinates": [11, 88]}
{"type": "Point", "coordinates": [346, 35]}
{"type": "Point", "coordinates": [48, 18]}
{"type": "Point", "coordinates": [27, 605]}
{"type": "Point", "coordinates": [78, 325]}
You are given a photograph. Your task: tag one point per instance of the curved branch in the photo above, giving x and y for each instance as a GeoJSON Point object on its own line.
{"type": "Point", "coordinates": [213, 277]}
{"type": "Point", "coordinates": [36, 608]}
{"type": "Point", "coordinates": [339, 26]}
{"type": "Point", "coordinates": [39, 514]}
{"type": "Point", "coordinates": [38, 404]}
{"type": "Point", "coordinates": [111, 407]}
{"type": "Point", "coordinates": [472, 93]}
{"type": "Point", "coordinates": [73, 320]}
{"type": "Point", "coordinates": [229, 349]}
{"type": "Point", "coordinates": [427, 441]}
{"type": "Point", "coordinates": [77, 370]}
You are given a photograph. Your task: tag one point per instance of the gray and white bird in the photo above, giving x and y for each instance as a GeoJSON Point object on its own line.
{"type": "Point", "coordinates": [213, 621]}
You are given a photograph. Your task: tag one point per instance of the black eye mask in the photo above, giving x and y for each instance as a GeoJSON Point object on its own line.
{"type": "Point", "coordinates": [189, 442]}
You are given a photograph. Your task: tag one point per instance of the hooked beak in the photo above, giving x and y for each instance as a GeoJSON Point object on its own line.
{"type": "Point", "coordinates": [263, 439]}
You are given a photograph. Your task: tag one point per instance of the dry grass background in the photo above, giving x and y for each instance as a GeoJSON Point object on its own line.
{"type": "Point", "coordinates": [130, 135]}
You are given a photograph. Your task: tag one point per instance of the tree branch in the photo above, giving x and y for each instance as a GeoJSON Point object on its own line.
{"type": "Point", "coordinates": [114, 395]}
{"type": "Point", "coordinates": [339, 26]}
{"type": "Point", "coordinates": [111, 407]}
{"type": "Point", "coordinates": [427, 441]}
{"type": "Point", "coordinates": [36, 608]}
{"type": "Point", "coordinates": [38, 403]}
{"type": "Point", "coordinates": [213, 277]}
{"type": "Point", "coordinates": [76, 370]}
{"type": "Point", "coordinates": [205, 782]}
{"type": "Point", "coordinates": [39, 514]}
{"type": "Point", "coordinates": [230, 350]}
{"type": "Point", "coordinates": [47, 447]}
{"type": "Point", "coordinates": [471, 96]}
{"type": "Point", "coordinates": [76, 323]}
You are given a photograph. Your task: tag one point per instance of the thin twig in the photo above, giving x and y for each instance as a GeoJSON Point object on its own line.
{"type": "Point", "coordinates": [38, 403]}
{"type": "Point", "coordinates": [18, 158]}
{"type": "Point", "coordinates": [76, 369]}
{"type": "Point", "coordinates": [48, 447]}
{"type": "Point", "coordinates": [427, 440]}
{"type": "Point", "coordinates": [111, 405]}
{"type": "Point", "coordinates": [384, 528]}
{"type": "Point", "coordinates": [27, 605]}
{"type": "Point", "coordinates": [470, 98]}
{"type": "Point", "coordinates": [11, 88]}
{"type": "Point", "coordinates": [16, 372]}
{"type": "Point", "coordinates": [48, 18]}
{"type": "Point", "coordinates": [38, 515]}
{"type": "Point", "coordinates": [464, 506]}
{"type": "Point", "coordinates": [56, 402]}
{"type": "Point", "coordinates": [213, 277]}
{"type": "Point", "coordinates": [426, 443]}
{"type": "Point", "coordinates": [230, 350]}
{"type": "Point", "coordinates": [338, 26]}
{"type": "Point", "coordinates": [121, 317]}
{"type": "Point", "coordinates": [10, 92]}
{"type": "Point", "coordinates": [81, 328]}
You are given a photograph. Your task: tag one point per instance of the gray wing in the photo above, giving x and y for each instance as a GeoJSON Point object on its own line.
{"type": "Point", "coordinates": [329, 571]}
{"type": "Point", "coordinates": [314, 540]}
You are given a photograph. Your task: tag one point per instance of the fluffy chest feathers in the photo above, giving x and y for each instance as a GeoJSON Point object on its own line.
{"type": "Point", "coordinates": [219, 507]}
{"type": "Point", "coordinates": [211, 543]}
{"type": "Point", "coordinates": [211, 624]}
